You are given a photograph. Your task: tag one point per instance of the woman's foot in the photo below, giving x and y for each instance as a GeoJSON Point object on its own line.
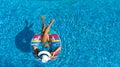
{"type": "Point", "coordinates": [42, 18]}
{"type": "Point", "coordinates": [51, 22]}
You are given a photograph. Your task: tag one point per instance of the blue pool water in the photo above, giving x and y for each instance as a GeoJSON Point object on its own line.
{"type": "Point", "coordinates": [89, 31]}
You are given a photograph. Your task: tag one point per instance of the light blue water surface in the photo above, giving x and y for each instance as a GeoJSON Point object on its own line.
{"type": "Point", "coordinates": [89, 31]}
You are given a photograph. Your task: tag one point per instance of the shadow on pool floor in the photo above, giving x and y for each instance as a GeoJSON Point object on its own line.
{"type": "Point", "coordinates": [23, 38]}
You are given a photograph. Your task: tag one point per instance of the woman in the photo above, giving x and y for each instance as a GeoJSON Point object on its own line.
{"type": "Point", "coordinates": [45, 40]}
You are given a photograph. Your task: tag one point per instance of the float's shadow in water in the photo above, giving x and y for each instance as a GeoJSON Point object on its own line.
{"type": "Point", "coordinates": [23, 38]}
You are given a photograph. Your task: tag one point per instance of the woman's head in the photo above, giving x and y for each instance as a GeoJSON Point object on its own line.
{"type": "Point", "coordinates": [44, 56]}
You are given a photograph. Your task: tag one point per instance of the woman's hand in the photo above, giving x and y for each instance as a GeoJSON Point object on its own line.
{"type": "Point", "coordinates": [53, 57]}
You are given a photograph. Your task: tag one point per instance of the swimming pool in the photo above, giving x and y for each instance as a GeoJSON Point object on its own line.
{"type": "Point", "coordinates": [89, 30]}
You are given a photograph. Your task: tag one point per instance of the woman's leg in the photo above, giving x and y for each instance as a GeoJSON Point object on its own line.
{"type": "Point", "coordinates": [46, 35]}
{"type": "Point", "coordinates": [43, 24]}
{"type": "Point", "coordinates": [49, 26]}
